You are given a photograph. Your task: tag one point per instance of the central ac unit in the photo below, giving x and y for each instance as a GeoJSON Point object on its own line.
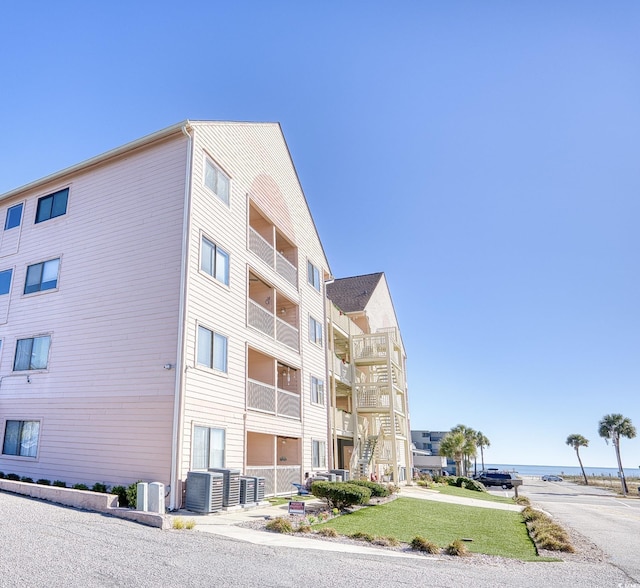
{"type": "Point", "coordinates": [205, 492]}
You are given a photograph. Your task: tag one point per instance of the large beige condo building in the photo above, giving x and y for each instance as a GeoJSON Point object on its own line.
{"type": "Point", "coordinates": [163, 309]}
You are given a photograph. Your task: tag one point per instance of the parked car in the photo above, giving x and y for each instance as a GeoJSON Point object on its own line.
{"type": "Point", "coordinates": [495, 478]}
{"type": "Point", "coordinates": [551, 478]}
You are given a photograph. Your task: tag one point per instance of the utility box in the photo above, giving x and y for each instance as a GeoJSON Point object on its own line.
{"type": "Point", "coordinates": [156, 498]}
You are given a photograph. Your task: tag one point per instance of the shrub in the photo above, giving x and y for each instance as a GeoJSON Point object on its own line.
{"type": "Point", "coordinates": [456, 547]}
{"type": "Point", "coordinates": [121, 493]}
{"type": "Point", "coordinates": [341, 495]}
{"type": "Point", "coordinates": [360, 536]}
{"type": "Point", "coordinates": [393, 488]}
{"type": "Point", "coordinates": [438, 479]}
{"type": "Point", "coordinates": [304, 529]}
{"type": "Point", "coordinates": [60, 484]}
{"type": "Point", "coordinates": [99, 487]}
{"type": "Point", "coordinates": [190, 524]}
{"type": "Point", "coordinates": [522, 501]}
{"type": "Point", "coordinates": [474, 485]}
{"type": "Point", "coordinates": [26, 479]}
{"type": "Point", "coordinates": [377, 490]}
{"type": "Point", "coordinates": [1, 475]}
{"type": "Point", "coordinates": [177, 523]}
{"type": "Point", "coordinates": [279, 525]}
{"type": "Point", "coordinates": [530, 514]}
{"type": "Point", "coordinates": [80, 487]}
{"type": "Point", "coordinates": [386, 541]}
{"type": "Point", "coordinates": [132, 494]}
{"type": "Point", "coordinates": [451, 480]}
{"type": "Point", "coordinates": [14, 477]}
{"type": "Point", "coordinates": [421, 544]}
{"type": "Point", "coordinates": [546, 534]}
{"type": "Point", "coordinates": [328, 532]}
{"type": "Point", "coordinates": [43, 482]}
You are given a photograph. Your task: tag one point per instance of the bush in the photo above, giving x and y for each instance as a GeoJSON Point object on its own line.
{"type": "Point", "coordinates": [80, 487]}
{"type": "Point", "coordinates": [177, 523]}
{"type": "Point", "coordinates": [304, 529]}
{"type": "Point", "coordinates": [43, 482]}
{"type": "Point", "coordinates": [14, 477]}
{"type": "Point", "coordinates": [26, 479]}
{"type": "Point", "coordinates": [132, 494]}
{"type": "Point", "coordinates": [60, 484]}
{"type": "Point", "coordinates": [99, 487]}
{"type": "Point", "coordinates": [341, 495]}
{"type": "Point", "coordinates": [360, 536]}
{"type": "Point", "coordinates": [190, 524]}
{"type": "Point", "coordinates": [456, 547]}
{"type": "Point", "coordinates": [328, 532]}
{"type": "Point", "coordinates": [1, 475]}
{"type": "Point", "coordinates": [121, 493]}
{"type": "Point", "coordinates": [545, 533]}
{"type": "Point", "coordinates": [279, 525]}
{"type": "Point", "coordinates": [421, 544]}
{"type": "Point", "coordinates": [377, 490]}
{"type": "Point", "coordinates": [386, 541]}
{"type": "Point", "coordinates": [474, 485]}
{"type": "Point", "coordinates": [522, 501]}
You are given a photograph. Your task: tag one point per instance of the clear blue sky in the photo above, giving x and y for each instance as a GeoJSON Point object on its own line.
{"type": "Point", "coordinates": [484, 155]}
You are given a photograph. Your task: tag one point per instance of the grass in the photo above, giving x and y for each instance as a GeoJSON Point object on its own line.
{"type": "Point", "coordinates": [279, 500]}
{"type": "Point", "coordinates": [494, 532]}
{"type": "Point", "coordinates": [607, 482]}
{"type": "Point", "coordinates": [455, 491]}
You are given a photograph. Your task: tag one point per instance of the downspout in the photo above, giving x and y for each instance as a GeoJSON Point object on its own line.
{"type": "Point", "coordinates": [175, 497]}
{"type": "Point", "coordinates": [328, 347]}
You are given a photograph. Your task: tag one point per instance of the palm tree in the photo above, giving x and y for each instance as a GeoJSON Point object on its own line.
{"type": "Point", "coordinates": [577, 441]}
{"type": "Point", "coordinates": [452, 446]}
{"type": "Point", "coordinates": [469, 449]}
{"type": "Point", "coordinates": [612, 427]}
{"type": "Point", "coordinates": [482, 441]}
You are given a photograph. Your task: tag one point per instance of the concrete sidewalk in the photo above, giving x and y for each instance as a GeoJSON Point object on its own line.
{"type": "Point", "coordinates": [226, 524]}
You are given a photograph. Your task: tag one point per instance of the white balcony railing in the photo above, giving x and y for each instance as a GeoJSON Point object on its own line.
{"type": "Point", "coordinates": [343, 421]}
{"type": "Point", "coordinates": [342, 370]}
{"type": "Point", "coordinates": [260, 318]}
{"type": "Point", "coordinates": [262, 248]}
{"type": "Point", "coordinates": [267, 398]}
{"type": "Point", "coordinates": [287, 334]}
{"type": "Point", "coordinates": [277, 479]}
{"type": "Point", "coordinates": [286, 269]}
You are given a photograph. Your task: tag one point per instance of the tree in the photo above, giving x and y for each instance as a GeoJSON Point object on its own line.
{"type": "Point", "coordinates": [469, 449]}
{"type": "Point", "coordinates": [452, 446]}
{"type": "Point", "coordinates": [481, 442]}
{"type": "Point", "coordinates": [611, 428]}
{"type": "Point", "coordinates": [577, 441]}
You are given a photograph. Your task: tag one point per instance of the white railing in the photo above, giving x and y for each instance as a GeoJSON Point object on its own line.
{"type": "Point", "coordinates": [368, 396]}
{"type": "Point", "coordinates": [288, 404]}
{"type": "Point", "coordinates": [343, 421]}
{"type": "Point", "coordinates": [261, 247]}
{"type": "Point", "coordinates": [287, 334]}
{"type": "Point", "coordinates": [286, 269]}
{"type": "Point", "coordinates": [277, 479]}
{"type": "Point", "coordinates": [340, 319]}
{"type": "Point", "coordinates": [261, 396]}
{"type": "Point", "coordinates": [370, 347]}
{"type": "Point", "coordinates": [342, 370]}
{"type": "Point", "coordinates": [260, 318]}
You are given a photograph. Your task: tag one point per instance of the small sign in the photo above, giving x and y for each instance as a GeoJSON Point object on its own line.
{"type": "Point", "coordinates": [296, 507]}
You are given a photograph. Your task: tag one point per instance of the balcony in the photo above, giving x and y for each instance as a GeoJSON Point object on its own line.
{"type": "Point", "coordinates": [276, 459]}
{"type": "Point", "coordinates": [272, 387]}
{"type": "Point", "coordinates": [343, 422]}
{"type": "Point", "coordinates": [342, 370]}
{"type": "Point", "coordinates": [266, 242]}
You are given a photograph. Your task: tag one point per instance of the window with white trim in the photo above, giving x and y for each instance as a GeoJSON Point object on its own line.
{"type": "Point", "coordinates": [214, 261]}
{"type": "Point", "coordinates": [216, 181]}
{"type": "Point", "coordinates": [212, 350]}
{"type": "Point", "coordinates": [208, 448]}
{"type": "Point", "coordinates": [313, 275]}
{"type": "Point", "coordinates": [52, 205]}
{"type": "Point", "coordinates": [21, 438]}
{"type": "Point", "coordinates": [317, 390]}
{"type": "Point", "coordinates": [42, 276]}
{"type": "Point", "coordinates": [315, 331]}
{"type": "Point", "coordinates": [318, 454]}
{"type": "Point", "coordinates": [5, 281]}
{"type": "Point", "coordinates": [14, 217]}
{"type": "Point", "coordinates": [32, 354]}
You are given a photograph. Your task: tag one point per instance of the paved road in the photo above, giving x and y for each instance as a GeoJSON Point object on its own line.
{"type": "Point", "coordinates": [611, 522]}
{"type": "Point", "coordinates": [46, 545]}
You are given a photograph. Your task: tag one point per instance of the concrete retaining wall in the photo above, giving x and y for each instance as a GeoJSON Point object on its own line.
{"type": "Point", "coordinates": [85, 499]}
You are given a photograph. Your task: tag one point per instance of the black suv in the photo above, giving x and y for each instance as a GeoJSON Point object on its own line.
{"type": "Point", "coordinates": [495, 478]}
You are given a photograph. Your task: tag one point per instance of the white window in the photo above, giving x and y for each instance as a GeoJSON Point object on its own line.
{"type": "Point", "coordinates": [5, 281]}
{"type": "Point", "coordinates": [315, 331]}
{"type": "Point", "coordinates": [216, 181]}
{"type": "Point", "coordinates": [318, 454]}
{"type": "Point", "coordinates": [317, 391]}
{"type": "Point", "coordinates": [32, 354]}
{"type": "Point", "coordinates": [313, 275]}
{"type": "Point", "coordinates": [214, 261]}
{"type": "Point", "coordinates": [208, 448]}
{"type": "Point", "coordinates": [212, 350]}
{"type": "Point", "coordinates": [21, 438]}
{"type": "Point", "coordinates": [42, 276]}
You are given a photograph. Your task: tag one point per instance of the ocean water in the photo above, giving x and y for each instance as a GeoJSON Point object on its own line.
{"type": "Point", "coordinates": [541, 470]}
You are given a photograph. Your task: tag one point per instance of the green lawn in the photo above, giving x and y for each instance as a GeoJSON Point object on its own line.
{"type": "Point", "coordinates": [455, 491]}
{"type": "Point", "coordinates": [494, 532]}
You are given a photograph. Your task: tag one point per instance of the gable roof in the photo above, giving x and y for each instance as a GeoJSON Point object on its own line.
{"type": "Point", "coordinates": [353, 294]}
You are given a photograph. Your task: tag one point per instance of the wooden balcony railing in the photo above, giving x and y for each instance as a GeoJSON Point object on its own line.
{"type": "Point", "coordinates": [274, 259]}
{"type": "Point", "coordinates": [267, 398]}
{"type": "Point", "coordinates": [277, 479]}
{"type": "Point", "coordinates": [264, 321]}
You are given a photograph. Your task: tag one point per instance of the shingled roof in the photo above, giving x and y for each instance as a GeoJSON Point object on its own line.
{"type": "Point", "coordinates": [352, 294]}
